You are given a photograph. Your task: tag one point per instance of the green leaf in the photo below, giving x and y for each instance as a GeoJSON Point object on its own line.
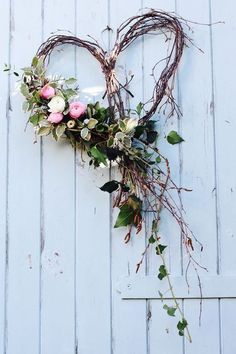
{"type": "Point", "coordinates": [181, 325]}
{"type": "Point", "coordinates": [160, 249]}
{"type": "Point", "coordinates": [15, 73]}
{"type": "Point", "coordinates": [139, 108]}
{"type": "Point", "coordinates": [36, 118]}
{"type": "Point", "coordinates": [158, 159]}
{"type": "Point", "coordinates": [110, 141]}
{"type": "Point", "coordinates": [44, 131]}
{"type": "Point", "coordinates": [110, 186]}
{"type": "Point", "coordinates": [139, 130]}
{"type": "Point", "coordinates": [122, 125]}
{"type": "Point", "coordinates": [92, 123]}
{"type": "Point", "coordinates": [98, 155]}
{"type": "Point", "coordinates": [154, 226]}
{"type": "Point", "coordinates": [152, 239]}
{"type": "Point", "coordinates": [100, 128]}
{"type": "Point", "coordinates": [24, 89]}
{"type": "Point", "coordinates": [174, 138]}
{"type": "Point", "coordinates": [25, 106]}
{"type": "Point", "coordinates": [134, 202]}
{"type": "Point", "coordinates": [85, 134]}
{"type": "Point", "coordinates": [151, 136]}
{"type": "Point", "coordinates": [170, 310]}
{"type": "Point", "coordinates": [70, 81]}
{"type": "Point", "coordinates": [125, 217]}
{"type": "Point", "coordinates": [60, 129]}
{"type": "Point", "coordinates": [68, 93]}
{"type": "Point", "coordinates": [35, 62]}
{"type": "Point", "coordinates": [162, 272]}
{"type": "Point", "coordinates": [124, 187]}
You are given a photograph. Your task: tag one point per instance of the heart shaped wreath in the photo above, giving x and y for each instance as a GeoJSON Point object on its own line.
{"type": "Point", "coordinates": [114, 133]}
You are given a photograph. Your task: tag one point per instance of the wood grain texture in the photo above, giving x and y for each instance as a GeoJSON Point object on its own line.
{"type": "Point", "coordinates": [22, 277]}
{"type": "Point", "coordinates": [92, 205]}
{"type": "Point", "coordinates": [4, 143]}
{"type": "Point", "coordinates": [58, 191]}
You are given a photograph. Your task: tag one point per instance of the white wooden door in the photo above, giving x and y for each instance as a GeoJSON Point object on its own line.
{"type": "Point", "coordinates": [67, 282]}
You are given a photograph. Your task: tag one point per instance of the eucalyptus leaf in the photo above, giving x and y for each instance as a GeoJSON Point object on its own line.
{"type": "Point", "coordinates": [68, 93]}
{"type": "Point", "coordinates": [35, 61]}
{"type": "Point", "coordinates": [24, 89]}
{"type": "Point", "coordinates": [110, 141]}
{"type": "Point", "coordinates": [25, 106]}
{"type": "Point", "coordinates": [85, 134]}
{"type": "Point", "coordinates": [92, 123]}
{"type": "Point", "coordinates": [60, 129]}
{"type": "Point", "coordinates": [70, 81]}
{"type": "Point", "coordinates": [122, 125]}
{"type": "Point", "coordinates": [44, 131]}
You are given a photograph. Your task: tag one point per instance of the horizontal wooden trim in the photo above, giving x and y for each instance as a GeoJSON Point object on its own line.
{"type": "Point", "coordinates": [147, 287]}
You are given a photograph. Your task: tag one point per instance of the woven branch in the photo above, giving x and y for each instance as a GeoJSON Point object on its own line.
{"type": "Point", "coordinates": [135, 27]}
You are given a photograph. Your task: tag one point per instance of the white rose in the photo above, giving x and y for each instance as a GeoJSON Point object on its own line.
{"type": "Point", "coordinates": [57, 104]}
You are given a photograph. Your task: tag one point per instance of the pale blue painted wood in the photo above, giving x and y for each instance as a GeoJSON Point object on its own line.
{"type": "Point", "coordinates": [23, 212]}
{"type": "Point", "coordinates": [58, 200]}
{"type": "Point", "coordinates": [128, 322]}
{"type": "Point", "coordinates": [4, 139]}
{"type": "Point", "coordinates": [93, 283]}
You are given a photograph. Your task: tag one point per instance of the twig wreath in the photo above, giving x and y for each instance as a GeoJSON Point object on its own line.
{"type": "Point", "coordinates": [116, 134]}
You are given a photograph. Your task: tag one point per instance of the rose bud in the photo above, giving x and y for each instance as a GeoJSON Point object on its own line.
{"type": "Point", "coordinates": [47, 92]}
{"type": "Point", "coordinates": [77, 109]}
{"type": "Point", "coordinates": [55, 117]}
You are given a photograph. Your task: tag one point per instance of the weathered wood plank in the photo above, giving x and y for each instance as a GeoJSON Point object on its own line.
{"type": "Point", "coordinates": [224, 71]}
{"type": "Point", "coordinates": [128, 321]}
{"type": "Point", "coordinates": [58, 201]}
{"type": "Point", "coordinates": [4, 113]}
{"type": "Point", "coordinates": [22, 303]}
{"type": "Point", "coordinates": [92, 205]}
{"type": "Point", "coordinates": [198, 171]}
{"type": "Point", "coordinates": [155, 48]}
{"type": "Point", "coordinates": [145, 287]}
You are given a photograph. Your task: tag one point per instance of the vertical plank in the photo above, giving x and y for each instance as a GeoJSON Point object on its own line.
{"type": "Point", "coordinates": [162, 331]}
{"type": "Point", "coordinates": [22, 304]}
{"type": "Point", "coordinates": [223, 109]}
{"type": "Point", "coordinates": [58, 193]}
{"type": "Point", "coordinates": [198, 174]}
{"type": "Point", "coordinates": [92, 205]}
{"type": "Point", "coordinates": [128, 317]}
{"type": "Point", "coordinates": [4, 113]}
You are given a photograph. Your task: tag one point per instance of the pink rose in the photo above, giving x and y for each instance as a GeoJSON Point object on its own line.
{"type": "Point", "coordinates": [77, 109]}
{"type": "Point", "coordinates": [47, 92]}
{"type": "Point", "coordinates": [55, 117]}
